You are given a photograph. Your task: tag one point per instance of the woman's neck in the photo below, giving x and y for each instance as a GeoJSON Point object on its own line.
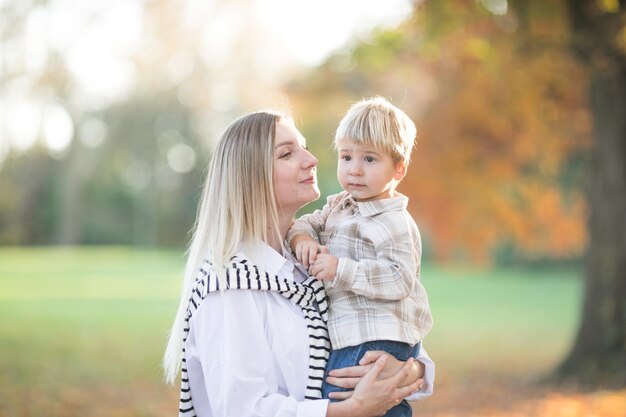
{"type": "Point", "coordinates": [284, 223]}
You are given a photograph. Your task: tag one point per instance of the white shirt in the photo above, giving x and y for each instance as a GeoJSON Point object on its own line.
{"type": "Point", "coordinates": [247, 351]}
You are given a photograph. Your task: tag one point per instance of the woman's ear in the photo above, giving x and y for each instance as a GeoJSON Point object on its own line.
{"type": "Point", "coordinates": [400, 171]}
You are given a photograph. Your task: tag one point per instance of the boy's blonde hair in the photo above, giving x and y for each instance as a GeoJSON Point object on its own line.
{"type": "Point", "coordinates": [376, 122]}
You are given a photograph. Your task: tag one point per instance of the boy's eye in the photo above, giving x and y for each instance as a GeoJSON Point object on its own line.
{"type": "Point", "coordinates": [346, 157]}
{"type": "Point", "coordinates": [369, 159]}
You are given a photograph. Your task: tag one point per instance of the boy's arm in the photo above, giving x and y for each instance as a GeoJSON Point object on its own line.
{"type": "Point", "coordinates": [313, 224]}
{"type": "Point", "coordinates": [392, 275]}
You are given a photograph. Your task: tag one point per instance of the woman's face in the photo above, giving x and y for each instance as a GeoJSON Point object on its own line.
{"type": "Point", "coordinates": [295, 176]}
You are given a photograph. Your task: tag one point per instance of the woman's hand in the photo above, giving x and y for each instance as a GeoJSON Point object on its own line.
{"type": "Point", "coordinates": [349, 377]}
{"type": "Point", "coordinates": [374, 395]}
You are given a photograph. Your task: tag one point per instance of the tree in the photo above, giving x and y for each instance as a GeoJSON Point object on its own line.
{"type": "Point", "coordinates": [131, 169]}
{"type": "Point", "coordinates": [599, 353]}
{"type": "Point", "coordinates": [501, 126]}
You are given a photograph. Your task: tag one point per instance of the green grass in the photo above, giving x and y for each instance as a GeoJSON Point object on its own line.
{"type": "Point", "coordinates": [82, 330]}
{"type": "Point", "coordinates": [81, 322]}
{"type": "Point", "coordinates": [505, 321]}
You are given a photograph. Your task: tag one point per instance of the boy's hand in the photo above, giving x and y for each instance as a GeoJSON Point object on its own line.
{"type": "Point", "coordinates": [305, 249]}
{"type": "Point", "coordinates": [325, 265]}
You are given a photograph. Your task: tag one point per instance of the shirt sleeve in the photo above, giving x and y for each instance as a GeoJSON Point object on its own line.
{"type": "Point", "coordinates": [230, 365]}
{"type": "Point", "coordinates": [315, 223]}
{"type": "Point", "coordinates": [393, 273]}
{"type": "Point", "coordinates": [429, 377]}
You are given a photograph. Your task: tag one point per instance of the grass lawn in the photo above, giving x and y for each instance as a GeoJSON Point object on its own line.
{"type": "Point", "coordinates": [510, 321]}
{"type": "Point", "coordinates": [83, 329]}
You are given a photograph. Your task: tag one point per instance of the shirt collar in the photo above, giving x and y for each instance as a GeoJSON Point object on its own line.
{"type": "Point", "coordinates": [372, 208]}
{"type": "Point", "coordinates": [265, 257]}
{"type": "Point", "coordinates": [270, 261]}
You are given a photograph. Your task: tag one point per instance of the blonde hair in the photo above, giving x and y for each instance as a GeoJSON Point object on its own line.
{"type": "Point", "coordinates": [376, 122]}
{"type": "Point", "coordinates": [237, 207]}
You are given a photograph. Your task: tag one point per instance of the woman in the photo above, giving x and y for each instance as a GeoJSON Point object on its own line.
{"type": "Point", "coordinates": [250, 329]}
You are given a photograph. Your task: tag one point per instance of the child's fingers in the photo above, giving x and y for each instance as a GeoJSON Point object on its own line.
{"type": "Point", "coordinates": [305, 257]}
{"type": "Point", "coordinates": [298, 252]}
{"type": "Point", "coordinates": [319, 272]}
{"type": "Point", "coordinates": [314, 270]}
{"type": "Point", "coordinates": [312, 255]}
{"type": "Point", "coordinates": [301, 255]}
{"type": "Point", "coordinates": [322, 274]}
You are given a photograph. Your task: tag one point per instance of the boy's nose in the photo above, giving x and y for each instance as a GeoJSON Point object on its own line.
{"type": "Point", "coordinates": [355, 169]}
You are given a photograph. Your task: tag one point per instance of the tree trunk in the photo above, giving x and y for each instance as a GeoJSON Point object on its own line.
{"type": "Point", "coordinates": [598, 356]}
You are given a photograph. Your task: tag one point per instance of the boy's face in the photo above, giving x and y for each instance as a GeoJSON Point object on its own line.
{"type": "Point", "coordinates": [366, 172]}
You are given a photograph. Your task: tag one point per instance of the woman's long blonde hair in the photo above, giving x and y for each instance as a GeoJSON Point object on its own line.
{"type": "Point", "coordinates": [237, 208]}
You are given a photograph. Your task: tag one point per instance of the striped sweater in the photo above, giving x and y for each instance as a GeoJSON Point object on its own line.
{"type": "Point", "coordinates": [241, 274]}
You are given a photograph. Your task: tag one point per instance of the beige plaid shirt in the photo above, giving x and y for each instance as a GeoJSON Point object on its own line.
{"type": "Point", "coordinates": [376, 294]}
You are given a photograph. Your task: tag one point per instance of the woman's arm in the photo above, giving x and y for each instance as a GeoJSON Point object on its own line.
{"type": "Point", "coordinates": [312, 224]}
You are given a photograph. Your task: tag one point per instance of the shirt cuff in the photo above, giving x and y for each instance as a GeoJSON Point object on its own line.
{"type": "Point", "coordinates": [312, 408]}
{"type": "Point", "coordinates": [346, 274]}
{"type": "Point", "coordinates": [426, 389]}
{"type": "Point", "coordinates": [300, 229]}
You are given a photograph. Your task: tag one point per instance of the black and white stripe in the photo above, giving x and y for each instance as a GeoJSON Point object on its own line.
{"type": "Point", "coordinates": [309, 295]}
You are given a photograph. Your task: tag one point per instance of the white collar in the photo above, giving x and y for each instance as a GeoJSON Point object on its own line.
{"type": "Point", "coordinates": [265, 257]}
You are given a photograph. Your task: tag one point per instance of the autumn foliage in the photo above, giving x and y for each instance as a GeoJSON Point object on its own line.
{"type": "Point", "coordinates": [502, 120]}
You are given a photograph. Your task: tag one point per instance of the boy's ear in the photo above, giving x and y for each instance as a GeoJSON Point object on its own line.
{"type": "Point", "coordinates": [400, 171]}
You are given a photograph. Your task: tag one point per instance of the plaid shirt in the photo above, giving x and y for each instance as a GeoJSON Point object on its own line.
{"type": "Point", "coordinates": [376, 294]}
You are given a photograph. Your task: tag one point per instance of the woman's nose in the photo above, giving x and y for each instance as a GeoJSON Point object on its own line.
{"type": "Point", "coordinates": [309, 161]}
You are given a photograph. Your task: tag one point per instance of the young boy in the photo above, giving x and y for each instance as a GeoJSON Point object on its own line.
{"type": "Point", "coordinates": [365, 245]}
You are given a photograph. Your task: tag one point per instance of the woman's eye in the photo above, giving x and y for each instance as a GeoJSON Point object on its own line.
{"type": "Point", "coordinates": [285, 155]}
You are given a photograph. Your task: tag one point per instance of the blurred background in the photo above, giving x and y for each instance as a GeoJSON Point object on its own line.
{"type": "Point", "coordinates": [109, 112]}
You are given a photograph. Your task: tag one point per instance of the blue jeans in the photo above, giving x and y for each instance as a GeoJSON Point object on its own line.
{"type": "Point", "coordinates": [350, 356]}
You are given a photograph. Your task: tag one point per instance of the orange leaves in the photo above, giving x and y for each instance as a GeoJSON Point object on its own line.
{"type": "Point", "coordinates": [552, 225]}
{"type": "Point", "coordinates": [515, 400]}
{"type": "Point", "coordinates": [503, 127]}
{"type": "Point", "coordinates": [497, 143]}
{"type": "Point", "coordinates": [600, 404]}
